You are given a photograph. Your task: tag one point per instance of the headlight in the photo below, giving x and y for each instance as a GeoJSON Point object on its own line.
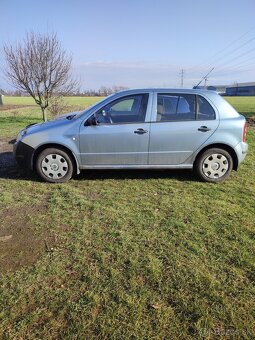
{"type": "Point", "coordinates": [20, 135]}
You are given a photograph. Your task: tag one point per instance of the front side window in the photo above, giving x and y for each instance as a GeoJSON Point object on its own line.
{"type": "Point", "coordinates": [129, 109]}
{"type": "Point", "coordinates": [176, 107]}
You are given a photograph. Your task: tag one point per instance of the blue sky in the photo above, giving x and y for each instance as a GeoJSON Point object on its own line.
{"type": "Point", "coordinates": [142, 43]}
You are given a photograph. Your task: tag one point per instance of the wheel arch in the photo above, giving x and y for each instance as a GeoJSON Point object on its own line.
{"type": "Point", "coordinates": [57, 146]}
{"type": "Point", "coordinates": [225, 147]}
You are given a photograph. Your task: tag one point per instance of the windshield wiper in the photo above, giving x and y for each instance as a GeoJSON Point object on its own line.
{"type": "Point", "coordinates": [70, 117]}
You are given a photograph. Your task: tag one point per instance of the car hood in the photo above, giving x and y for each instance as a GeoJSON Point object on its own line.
{"type": "Point", "coordinates": [58, 121]}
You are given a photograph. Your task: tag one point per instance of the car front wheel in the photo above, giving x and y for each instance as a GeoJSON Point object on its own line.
{"type": "Point", "coordinates": [214, 165]}
{"type": "Point", "coordinates": [54, 165]}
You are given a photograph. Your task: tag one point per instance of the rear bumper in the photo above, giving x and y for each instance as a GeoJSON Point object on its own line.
{"type": "Point", "coordinates": [23, 154]}
{"type": "Point", "coordinates": [241, 150]}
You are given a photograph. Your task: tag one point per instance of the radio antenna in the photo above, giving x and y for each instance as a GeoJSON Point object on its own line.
{"type": "Point", "coordinates": [195, 87]}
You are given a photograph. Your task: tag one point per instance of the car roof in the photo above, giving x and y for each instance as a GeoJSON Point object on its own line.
{"type": "Point", "coordinates": [164, 90]}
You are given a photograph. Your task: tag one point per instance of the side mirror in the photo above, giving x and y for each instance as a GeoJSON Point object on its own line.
{"type": "Point", "coordinates": [92, 121]}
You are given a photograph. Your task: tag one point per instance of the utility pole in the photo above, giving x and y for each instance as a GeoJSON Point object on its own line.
{"type": "Point", "coordinates": [206, 82]}
{"type": "Point", "coordinates": [182, 76]}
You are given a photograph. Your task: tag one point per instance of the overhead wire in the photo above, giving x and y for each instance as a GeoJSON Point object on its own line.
{"type": "Point", "coordinates": [211, 59]}
{"type": "Point", "coordinates": [219, 66]}
{"type": "Point", "coordinates": [236, 66]}
{"type": "Point", "coordinates": [223, 56]}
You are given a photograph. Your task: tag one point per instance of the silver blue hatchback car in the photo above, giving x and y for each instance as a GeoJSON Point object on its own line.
{"type": "Point", "coordinates": [139, 129]}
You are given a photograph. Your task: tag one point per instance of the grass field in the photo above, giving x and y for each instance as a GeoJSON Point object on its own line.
{"type": "Point", "coordinates": [81, 101]}
{"type": "Point", "coordinates": [21, 111]}
{"type": "Point", "coordinates": [245, 105]}
{"type": "Point", "coordinates": [126, 254]}
{"type": "Point", "coordinates": [242, 104]}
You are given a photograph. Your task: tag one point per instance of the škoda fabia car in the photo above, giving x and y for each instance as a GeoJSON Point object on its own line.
{"type": "Point", "coordinates": [139, 129]}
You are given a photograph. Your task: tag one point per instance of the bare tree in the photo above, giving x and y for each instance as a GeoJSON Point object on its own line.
{"type": "Point", "coordinates": [57, 105]}
{"type": "Point", "coordinates": [40, 67]}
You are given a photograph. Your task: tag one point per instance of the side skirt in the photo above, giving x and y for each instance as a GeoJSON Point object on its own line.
{"type": "Point", "coordinates": [137, 166]}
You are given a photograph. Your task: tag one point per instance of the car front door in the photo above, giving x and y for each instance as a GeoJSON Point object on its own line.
{"type": "Point", "coordinates": [181, 123]}
{"type": "Point", "coordinates": [117, 134]}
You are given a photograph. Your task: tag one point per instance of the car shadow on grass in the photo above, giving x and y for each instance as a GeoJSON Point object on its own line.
{"type": "Point", "coordinates": [13, 172]}
{"type": "Point", "coordinates": [10, 170]}
{"type": "Point", "coordinates": [180, 175]}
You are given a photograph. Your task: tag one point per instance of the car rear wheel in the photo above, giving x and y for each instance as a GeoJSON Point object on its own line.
{"type": "Point", "coordinates": [54, 165]}
{"type": "Point", "coordinates": [214, 165]}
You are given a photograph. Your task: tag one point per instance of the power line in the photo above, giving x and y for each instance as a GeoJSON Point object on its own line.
{"type": "Point", "coordinates": [212, 58]}
{"type": "Point", "coordinates": [231, 52]}
{"type": "Point", "coordinates": [238, 48]}
{"type": "Point", "coordinates": [235, 58]}
{"type": "Point", "coordinates": [238, 65]}
{"type": "Point", "coordinates": [221, 66]}
{"type": "Point", "coordinates": [234, 41]}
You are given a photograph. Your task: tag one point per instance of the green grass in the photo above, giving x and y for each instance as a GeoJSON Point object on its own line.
{"type": "Point", "coordinates": [12, 122]}
{"type": "Point", "coordinates": [13, 119]}
{"type": "Point", "coordinates": [136, 255]}
{"type": "Point", "coordinates": [69, 100]}
{"type": "Point", "coordinates": [244, 105]}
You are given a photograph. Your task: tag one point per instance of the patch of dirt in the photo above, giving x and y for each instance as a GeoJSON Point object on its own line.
{"type": "Point", "coordinates": [6, 144]}
{"type": "Point", "coordinates": [13, 107]}
{"type": "Point", "coordinates": [21, 244]}
{"type": "Point", "coordinates": [251, 121]}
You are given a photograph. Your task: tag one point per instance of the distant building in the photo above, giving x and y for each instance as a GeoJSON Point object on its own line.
{"type": "Point", "coordinates": [237, 89]}
{"type": "Point", "coordinates": [242, 89]}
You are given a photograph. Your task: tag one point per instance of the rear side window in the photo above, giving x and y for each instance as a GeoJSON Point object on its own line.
{"type": "Point", "coordinates": [205, 110]}
{"type": "Point", "coordinates": [176, 107]}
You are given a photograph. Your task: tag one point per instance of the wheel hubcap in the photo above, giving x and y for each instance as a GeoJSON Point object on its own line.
{"type": "Point", "coordinates": [215, 165]}
{"type": "Point", "coordinates": [54, 166]}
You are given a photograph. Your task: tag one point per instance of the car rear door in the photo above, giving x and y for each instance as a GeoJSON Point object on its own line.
{"type": "Point", "coordinates": [181, 123]}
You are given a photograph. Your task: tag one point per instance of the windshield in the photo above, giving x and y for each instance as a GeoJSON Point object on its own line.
{"type": "Point", "coordinates": [92, 106]}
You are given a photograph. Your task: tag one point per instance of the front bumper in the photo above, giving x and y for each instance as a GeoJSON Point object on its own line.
{"type": "Point", "coordinates": [23, 154]}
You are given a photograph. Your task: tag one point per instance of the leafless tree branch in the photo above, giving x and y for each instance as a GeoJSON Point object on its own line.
{"type": "Point", "coordinates": [40, 66]}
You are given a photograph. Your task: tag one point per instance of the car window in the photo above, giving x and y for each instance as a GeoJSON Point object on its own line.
{"type": "Point", "coordinates": [130, 109]}
{"type": "Point", "coordinates": [205, 110]}
{"type": "Point", "coordinates": [124, 105]}
{"type": "Point", "coordinates": [176, 107]}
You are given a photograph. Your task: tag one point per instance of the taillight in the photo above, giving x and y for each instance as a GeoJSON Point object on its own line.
{"type": "Point", "coordinates": [244, 131]}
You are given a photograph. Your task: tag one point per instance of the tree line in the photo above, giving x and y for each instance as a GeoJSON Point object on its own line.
{"type": "Point", "coordinates": [103, 91]}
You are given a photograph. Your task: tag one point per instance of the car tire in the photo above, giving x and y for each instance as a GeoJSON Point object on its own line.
{"type": "Point", "coordinates": [54, 165]}
{"type": "Point", "coordinates": [214, 165]}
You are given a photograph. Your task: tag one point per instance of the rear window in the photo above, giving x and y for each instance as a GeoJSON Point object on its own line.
{"type": "Point", "coordinates": [176, 107]}
{"type": "Point", "coordinates": [205, 110]}
{"type": "Point", "coordinates": [181, 107]}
